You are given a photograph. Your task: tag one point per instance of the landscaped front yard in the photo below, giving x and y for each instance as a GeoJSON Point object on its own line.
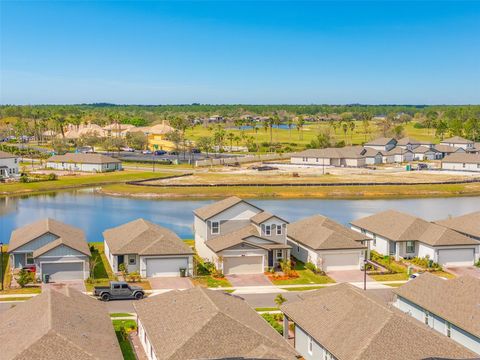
{"type": "Point", "coordinates": [305, 276]}
{"type": "Point", "coordinates": [211, 281]}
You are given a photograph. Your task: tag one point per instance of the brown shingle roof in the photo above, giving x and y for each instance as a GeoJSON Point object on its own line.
{"type": "Point", "coordinates": [457, 140]}
{"type": "Point", "coordinates": [382, 141]}
{"type": "Point", "coordinates": [80, 246]}
{"type": "Point", "coordinates": [144, 238]}
{"type": "Point", "coordinates": [347, 152]}
{"type": "Point", "coordinates": [208, 211]}
{"type": "Point", "coordinates": [63, 326]}
{"type": "Point", "coordinates": [396, 151]}
{"type": "Point", "coordinates": [468, 224]}
{"type": "Point", "coordinates": [447, 149]}
{"type": "Point", "coordinates": [398, 226]}
{"type": "Point", "coordinates": [456, 300]}
{"type": "Point", "coordinates": [321, 233]}
{"type": "Point", "coordinates": [462, 158]}
{"type": "Point", "coordinates": [353, 326]}
{"type": "Point", "coordinates": [423, 149]}
{"type": "Point", "coordinates": [74, 236]}
{"type": "Point", "coordinates": [83, 158]}
{"type": "Point", "coordinates": [205, 324]}
{"type": "Point", "coordinates": [264, 216]}
{"type": "Point", "coordinates": [6, 155]}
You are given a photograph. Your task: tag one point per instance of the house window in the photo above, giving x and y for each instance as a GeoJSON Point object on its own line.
{"type": "Point", "coordinates": [449, 329]}
{"type": "Point", "coordinates": [132, 260]}
{"type": "Point", "coordinates": [310, 345]}
{"type": "Point", "coordinates": [374, 240]}
{"type": "Point", "coordinates": [427, 315]}
{"type": "Point", "coordinates": [279, 229]}
{"type": "Point", "coordinates": [298, 248]}
{"type": "Point", "coordinates": [410, 247]}
{"type": "Point", "coordinates": [215, 227]}
{"type": "Point", "coordinates": [279, 254]}
{"type": "Point", "coordinates": [29, 257]}
{"type": "Point", "coordinates": [268, 230]}
{"type": "Point", "coordinates": [463, 165]}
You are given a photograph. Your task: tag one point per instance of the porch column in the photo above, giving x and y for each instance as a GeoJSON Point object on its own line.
{"type": "Point", "coordinates": [397, 251]}
{"type": "Point", "coordinates": [285, 326]}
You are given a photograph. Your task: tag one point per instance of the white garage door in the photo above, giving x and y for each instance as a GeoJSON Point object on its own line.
{"type": "Point", "coordinates": [345, 261]}
{"type": "Point", "coordinates": [243, 265]}
{"type": "Point", "coordinates": [165, 266]}
{"type": "Point", "coordinates": [63, 270]}
{"type": "Point", "coordinates": [456, 257]}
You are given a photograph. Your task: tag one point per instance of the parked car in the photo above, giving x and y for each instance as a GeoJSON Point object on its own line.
{"type": "Point", "coordinates": [146, 152]}
{"type": "Point", "coordinates": [160, 152]}
{"type": "Point", "coordinates": [127, 149]}
{"type": "Point", "coordinates": [119, 290]}
{"type": "Point", "coordinates": [196, 151]}
{"type": "Point", "coordinates": [422, 166]}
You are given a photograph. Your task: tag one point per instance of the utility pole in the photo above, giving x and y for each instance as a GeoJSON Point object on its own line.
{"type": "Point", "coordinates": [365, 262]}
{"type": "Point", "coordinates": [1, 263]}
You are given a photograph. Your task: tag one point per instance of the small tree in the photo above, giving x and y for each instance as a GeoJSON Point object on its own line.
{"type": "Point", "coordinates": [123, 269]}
{"type": "Point", "coordinates": [94, 261]}
{"type": "Point", "coordinates": [279, 300]}
{"type": "Point", "coordinates": [24, 277]}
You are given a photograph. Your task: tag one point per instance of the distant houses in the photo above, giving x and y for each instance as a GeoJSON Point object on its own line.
{"type": "Point", "coordinates": [462, 161]}
{"type": "Point", "coordinates": [459, 142]}
{"type": "Point", "coordinates": [8, 165]}
{"type": "Point", "coordinates": [84, 162]}
{"type": "Point", "coordinates": [348, 156]}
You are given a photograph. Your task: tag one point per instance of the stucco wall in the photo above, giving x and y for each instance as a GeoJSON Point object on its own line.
{"type": "Point", "coordinates": [459, 166]}
{"type": "Point", "coordinates": [301, 345]}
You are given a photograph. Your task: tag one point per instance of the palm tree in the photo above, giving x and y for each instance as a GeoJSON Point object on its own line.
{"type": "Point", "coordinates": [352, 128]}
{"type": "Point", "coordinates": [300, 123]}
{"type": "Point", "coordinates": [231, 137]}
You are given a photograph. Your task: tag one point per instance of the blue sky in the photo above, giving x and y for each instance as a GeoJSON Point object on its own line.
{"type": "Point", "coordinates": [153, 52]}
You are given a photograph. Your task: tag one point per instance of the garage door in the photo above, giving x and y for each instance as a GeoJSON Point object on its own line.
{"type": "Point", "coordinates": [346, 261]}
{"type": "Point", "coordinates": [456, 257]}
{"type": "Point", "coordinates": [63, 271]}
{"type": "Point", "coordinates": [157, 267]}
{"type": "Point", "coordinates": [243, 265]}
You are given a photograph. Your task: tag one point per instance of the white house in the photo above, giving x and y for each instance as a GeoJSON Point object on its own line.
{"type": "Point", "coordinates": [423, 153]}
{"type": "Point", "coordinates": [348, 156]}
{"type": "Point", "coordinates": [381, 144]}
{"type": "Point", "coordinates": [406, 236]}
{"type": "Point", "coordinates": [84, 162]}
{"type": "Point", "coordinates": [326, 244]}
{"type": "Point", "coordinates": [446, 150]}
{"type": "Point", "coordinates": [8, 165]}
{"type": "Point", "coordinates": [462, 162]}
{"type": "Point", "coordinates": [459, 142]}
{"type": "Point", "coordinates": [55, 248]}
{"type": "Point", "coordinates": [343, 322]}
{"type": "Point", "coordinates": [450, 307]}
{"type": "Point", "coordinates": [372, 156]}
{"type": "Point", "coordinates": [397, 155]}
{"type": "Point", "coordinates": [409, 143]}
{"type": "Point", "coordinates": [147, 248]}
{"type": "Point", "coordinates": [239, 237]}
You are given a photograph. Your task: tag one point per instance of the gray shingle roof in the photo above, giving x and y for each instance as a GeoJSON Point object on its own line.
{"type": "Point", "coordinates": [83, 158]}
{"type": "Point", "coordinates": [204, 324]}
{"type": "Point", "coordinates": [144, 238]}
{"type": "Point", "coordinates": [80, 246]}
{"type": "Point", "coordinates": [264, 216]}
{"type": "Point", "coordinates": [398, 226]}
{"type": "Point", "coordinates": [321, 233]}
{"type": "Point", "coordinates": [462, 158]}
{"type": "Point", "coordinates": [354, 326]}
{"type": "Point", "coordinates": [54, 325]}
{"type": "Point", "coordinates": [447, 149]}
{"type": "Point", "coordinates": [74, 236]}
{"type": "Point", "coordinates": [457, 140]}
{"type": "Point", "coordinates": [467, 224]}
{"type": "Point", "coordinates": [208, 211]}
{"type": "Point", "coordinates": [456, 300]}
{"type": "Point", "coordinates": [382, 141]}
{"type": "Point", "coordinates": [6, 155]}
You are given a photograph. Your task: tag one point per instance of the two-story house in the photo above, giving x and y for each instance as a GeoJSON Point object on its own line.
{"type": "Point", "coordinates": [8, 165]}
{"type": "Point", "coordinates": [459, 142]}
{"type": "Point", "coordinates": [239, 237]}
{"type": "Point", "coordinates": [382, 144]}
{"type": "Point", "coordinates": [449, 307]}
{"type": "Point", "coordinates": [406, 236]}
{"type": "Point", "coordinates": [53, 247]}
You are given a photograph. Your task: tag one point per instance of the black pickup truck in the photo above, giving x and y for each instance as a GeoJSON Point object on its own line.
{"type": "Point", "coordinates": [118, 290]}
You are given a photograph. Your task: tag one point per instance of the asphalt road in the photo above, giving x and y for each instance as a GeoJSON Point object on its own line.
{"type": "Point", "coordinates": [122, 306]}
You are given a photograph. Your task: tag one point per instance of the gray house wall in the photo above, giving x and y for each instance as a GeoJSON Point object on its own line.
{"type": "Point", "coordinates": [301, 345]}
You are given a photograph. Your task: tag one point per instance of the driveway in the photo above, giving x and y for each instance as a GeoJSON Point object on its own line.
{"type": "Point", "coordinates": [248, 280]}
{"type": "Point", "coordinates": [469, 270]}
{"type": "Point", "coordinates": [75, 284]}
{"type": "Point", "coordinates": [175, 283]}
{"type": "Point", "coordinates": [342, 276]}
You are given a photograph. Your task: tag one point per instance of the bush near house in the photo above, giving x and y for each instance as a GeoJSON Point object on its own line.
{"type": "Point", "coordinates": [425, 263]}
{"type": "Point", "coordinates": [388, 262]}
{"type": "Point", "coordinates": [275, 321]}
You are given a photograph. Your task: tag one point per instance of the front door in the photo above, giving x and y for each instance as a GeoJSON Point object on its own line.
{"type": "Point", "coordinates": [392, 247]}
{"type": "Point", "coordinates": [120, 260]}
{"type": "Point", "coordinates": [270, 259]}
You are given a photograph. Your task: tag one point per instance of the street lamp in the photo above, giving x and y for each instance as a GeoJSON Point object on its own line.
{"type": "Point", "coordinates": [1, 263]}
{"type": "Point", "coordinates": [365, 262]}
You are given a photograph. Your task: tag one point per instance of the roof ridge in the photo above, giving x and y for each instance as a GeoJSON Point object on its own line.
{"type": "Point", "coordinates": [72, 343]}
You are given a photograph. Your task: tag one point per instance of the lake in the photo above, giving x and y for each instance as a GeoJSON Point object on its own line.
{"type": "Point", "coordinates": [94, 212]}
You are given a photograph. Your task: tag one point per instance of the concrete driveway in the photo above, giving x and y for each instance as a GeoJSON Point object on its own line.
{"type": "Point", "coordinates": [75, 284]}
{"type": "Point", "coordinates": [469, 270]}
{"type": "Point", "coordinates": [175, 283]}
{"type": "Point", "coordinates": [342, 276]}
{"type": "Point", "coordinates": [248, 280]}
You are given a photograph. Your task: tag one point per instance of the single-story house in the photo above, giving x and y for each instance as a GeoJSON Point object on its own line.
{"type": "Point", "coordinates": [446, 150]}
{"type": "Point", "coordinates": [147, 248]}
{"type": "Point", "coordinates": [373, 157]}
{"type": "Point", "coordinates": [239, 237]}
{"type": "Point", "coordinates": [204, 324]}
{"type": "Point", "coordinates": [381, 144]}
{"type": "Point", "coordinates": [459, 142]}
{"type": "Point", "coordinates": [406, 236]}
{"type": "Point", "coordinates": [468, 224]}
{"type": "Point", "coordinates": [84, 162]}
{"type": "Point", "coordinates": [449, 307]}
{"type": "Point", "coordinates": [8, 165]}
{"type": "Point", "coordinates": [348, 156]}
{"type": "Point", "coordinates": [397, 155]}
{"type": "Point", "coordinates": [58, 325]}
{"type": "Point", "coordinates": [55, 248]}
{"type": "Point", "coordinates": [463, 162]}
{"type": "Point", "coordinates": [423, 153]}
{"type": "Point", "coordinates": [327, 244]}
{"type": "Point", "coordinates": [343, 322]}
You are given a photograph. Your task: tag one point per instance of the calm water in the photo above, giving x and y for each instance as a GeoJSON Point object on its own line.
{"type": "Point", "coordinates": [95, 213]}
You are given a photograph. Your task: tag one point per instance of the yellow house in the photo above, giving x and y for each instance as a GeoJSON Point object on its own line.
{"type": "Point", "coordinates": [156, 136]}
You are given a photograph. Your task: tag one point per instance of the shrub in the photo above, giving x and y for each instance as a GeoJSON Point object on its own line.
{"type": "Point", "coordinates": [52, 177]}
{"type": "Point", "coordinates": [418, 125]}
{"type": "Point", "coordinates": [24, 178]}
{"type": "Point", "coordinates": [387, 262]}
{"type": "Point", "coordinates": [279, 300]}
{"type": "Point", "coordinates": [477, 264]}
{"type": "Point", "coordinates": [311, 266]}
{"type": "Point", "coordinates": [25, 277]}
{"type": "Point", "coordinates": [273, 322]}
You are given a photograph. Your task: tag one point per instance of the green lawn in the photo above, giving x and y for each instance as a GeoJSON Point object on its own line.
{"type": "Point", "coordinates": [303, 288]}
{"type": "Point", "coordinates": [211, 282]}
{"type": "Point", "coordinates": [190, 242]}
{"type": "Point", "coordinates": [266, 309]}
{"type": "Point", "coordinates": [5, 259]}
{"type": "Point", "coordinates": [125, 345]}
{"type": "Point", "coordinates": [114, 315]}
{"type": "Point", "coordinates": [25, 290]}
{"type": "Point", "coordinates": [390, 277]}
{"type": "Point", "coordinates": [305, 277]}
{"type": "Point", "coordinates": [103, 272]}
